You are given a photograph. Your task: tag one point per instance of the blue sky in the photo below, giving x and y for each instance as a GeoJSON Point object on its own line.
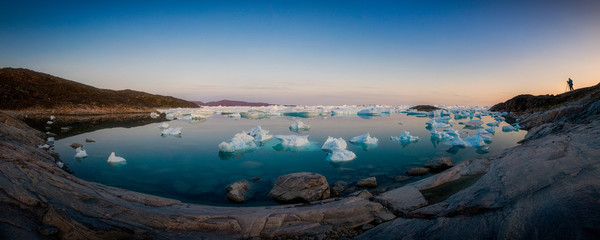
{"type": "Point", "coordinates": [310, 52]}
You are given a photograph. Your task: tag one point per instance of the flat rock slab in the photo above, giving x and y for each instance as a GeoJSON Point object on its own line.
{"type": "Point", "coordinates": [300, 187]}
{"type": "Point", "coordinates": [402, 200]}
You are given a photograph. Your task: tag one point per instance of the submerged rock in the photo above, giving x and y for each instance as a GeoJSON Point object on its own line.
{"type": "Point", "coordinates": [418, 171]}
{"type": "Point", "coordinates": [338, 187]}
{"type": "Point", "coordinates": [439, 163]}
{"type": "Point", "coordinates": [236, 192]}
{"type": "Point", "coordinates": [370, 182]}
{"type": "Point", "coordinates": [89, 140]}
{"type": "Point", "coordinates": [300, 187]}
{"type": "Point", "coordinates": [76, 145]}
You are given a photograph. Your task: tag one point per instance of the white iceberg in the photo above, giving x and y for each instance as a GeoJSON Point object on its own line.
{"type": "Point", "coordinates": [172, 131]}
{"type": "Point", "coordinates": [474, 141]}
{"type": "Point", "coordinates": [457, 141]}
{"type": "Point", "coordinates": [80, 153]}
{"type": "Point", "coordinates": [509, 128]}
{"type": "Point", "coordinates": [472, 123]}
{"type": "Point", "coordinates": [154, 115]}
{"type": "Point", "coordinates": [365, 138]}
{"type": "Point", "coordinates": [404, 138]}
{"type": "Point", "coordinates": [441, 136]}
{"type": "Point", "coordinates": [451, 132]}
{"type": "Point", "coordinates": [259, 134]}
{"type": "Point", "coordinates": [334, 144]}
{"type": "Point", "coordinates": [239, 142]}
{"type": "Point", "coordinates": [114, 159]}
{"type": "Point", "coordinates": [341, 156]}
{"type": "Point", "coordinates": [293, 140]}
{"type": "Point", "coordinates": [163, 126]}
{"type": "Point", "coordinates": [299, 125]}
{"type": "Point", "coordinates": [60, 164]}
{"type": "Point", "coordinates": [493, 124]}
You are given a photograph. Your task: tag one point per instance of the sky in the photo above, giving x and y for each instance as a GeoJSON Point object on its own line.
{"type": "Point", "coordinates": [310, 52]}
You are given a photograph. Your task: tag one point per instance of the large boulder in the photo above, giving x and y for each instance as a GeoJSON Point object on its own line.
{"type": "Point", "coordinates": [236, 192]}
{"type": "Point", "coordinates": [439, 163]}
{"type": "Point", "coordinates": [300, 187]}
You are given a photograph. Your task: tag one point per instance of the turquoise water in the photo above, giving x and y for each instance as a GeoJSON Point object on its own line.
{"type": "Point", "coordinates": [190, 168]}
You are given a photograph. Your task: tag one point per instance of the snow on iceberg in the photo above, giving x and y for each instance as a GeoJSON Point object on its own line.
{"type": "Point", "coordinates": [365, 138]}
{"type": "Point", "coordinates": [259, 134]}
{"type": "Point", "coordinates": [405, 138]}
{"type": "Point", "coordinates": [115, 159]}
{"type": "Point", "coordinates": [172, 131]}
{"type": "Point", "coordinates": [299, 125]}
{"type": "Point", "coordinates": [163, 126]}
{"type": "Point", "coordinates": [334, 144]}
{"type": "Point", "coordinates": [80, 153]}
{"type": "Point", "coordinates": [239, 142]}
{"type": "Point", "coordinates": [440, 136]}
{"type": "Point", "coordinates": [341, 156]}
{"type": "Point", "coordinates": [293, 140]}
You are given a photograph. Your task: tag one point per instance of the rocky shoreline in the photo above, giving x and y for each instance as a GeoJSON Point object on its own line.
{"type": "Point", "coordinates": [546, 188]}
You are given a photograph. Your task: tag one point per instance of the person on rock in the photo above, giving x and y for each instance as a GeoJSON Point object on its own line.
{"type": "Point", "coordinates": [570, 82]}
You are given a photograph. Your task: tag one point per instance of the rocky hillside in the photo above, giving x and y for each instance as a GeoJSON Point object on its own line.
{"type": "Point", "coordinates": [527, 103]}
{"type": "Point", "coordinates": [22, 89]}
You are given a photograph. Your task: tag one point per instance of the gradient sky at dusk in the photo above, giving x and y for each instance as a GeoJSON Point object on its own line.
{"type": "Point", "coordinates": [311, 52]}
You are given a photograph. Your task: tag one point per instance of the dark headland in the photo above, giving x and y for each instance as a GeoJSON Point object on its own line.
{"type": "Point", "coordinates": [546, 188]}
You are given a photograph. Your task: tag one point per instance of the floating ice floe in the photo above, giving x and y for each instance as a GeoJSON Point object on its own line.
{"type": "Point", "coordinates": [293, 140]}
{"type": "Point", "coordinates": [60, 164]}
{"type": "Point", "coordinates": [172, 131]}
{"type": "Point", "coordinates": [154, 115]}
{"type": "Point", "coordinates": [80, 153]}
{"type": "Point", "coordinates": [435, 124]}
{"type": "Point", "coordinates": [499, 118]}
{"type": "Point", "coordinates": [341, 156]}
{"type": "Point", "coordinates": [457, 141]}
{"type": "Point", "coordinates": [365, 138]}
{"type": "Point", "coordinates": [493, 124]}
{"type": "Point", "coordinates": [509, 128]}
{"type": "Point", "coordinates": [404, 138]}
{"type": "Point", "coordinates": [115, 159]}
{"type": "Point", "coordinates": [259, 134]}
{"type": "Point", "coordinates": [440, 136]}
{"type": "Point", "coordinates": [474, 141]}
{"type": "Point", "coordinates": [334, 144]}
{"type": "Point", "coordinates": [239, 142]}
{"type": "Point", "coordinates": [163, 126]}
{"type": "Point", "coordinates": [451, 131]}
{"type": "Point", "coordinates": [299, 125]}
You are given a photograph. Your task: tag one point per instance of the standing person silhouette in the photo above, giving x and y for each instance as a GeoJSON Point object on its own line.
{"type": "Point", "coordinates": [570, 82]}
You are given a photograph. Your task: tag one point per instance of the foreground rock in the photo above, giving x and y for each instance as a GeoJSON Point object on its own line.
{"type": "Point", "coordinates": [300, 187]}
{"type": "Point", "coordinates": [39, 199]}
{"type": "Point", "coordinates": [236, 192]}
{"type": "Point", "coordinates": [402, 200]}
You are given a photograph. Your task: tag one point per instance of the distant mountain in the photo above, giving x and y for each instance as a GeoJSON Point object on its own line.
{"type": "Point", "coordinates": [228, 103]}
{"type": "Point", "coordinates": [22, 89]}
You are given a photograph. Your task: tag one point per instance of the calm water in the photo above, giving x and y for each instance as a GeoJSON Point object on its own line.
{"type": "Point", "coordinates": [191, 169]}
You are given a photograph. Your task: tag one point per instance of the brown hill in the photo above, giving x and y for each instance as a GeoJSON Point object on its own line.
{"type": "Point", "coordinates": [228, 103]}
{"type": "Point", "coordinates": [527, 103]}
{"type": "Point", "coordinates": [22, 89]}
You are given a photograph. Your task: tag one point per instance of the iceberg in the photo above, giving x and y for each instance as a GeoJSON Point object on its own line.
{"type": "Point", "coordinates": [491, 130]}
{"type": "Point", "coordinates": [457, 141]}
{"type": "Point", "coordinates": [365, 138]}
{"type": "Point", "coordinates": [509, 128]}
{"type": "Point", "coordinates": [472, 123]}
{"type": "Point", "coordinates": [299, 125]}
{"type": "Point", "coordinates": [114, 159]}
{"type": "Point", "coordinates": [80, 153]}
{"type": "Point", "coordinates": [239, 142]}
{"type": "Point", "coordinates": [451, 132]}
{"type": "Point", "coordinates": [45, 146]}
{"type": "Point", "coordinates": [50, 140]}
{"type": "Point", "coordinates": [369, 112]}
{"type": "Point", "coordinates": [60, 164]}
{"type": "Point", "coordinates": [163, 126]}
{"type": "Point", "coordinates": [341, 156]}
{"type": "Point", "coordinates": [474, 141]}
{"type": "Point", "coordinates": [404, 138]}
{"type": "Point", "coordinates": [334, 144]}
{"type": "Point", "coordinates": [441, 136]}
{"type": "Point", "coordinates": [293, 140]}
{"type": "Point", "coordinates": [154, 115]}
{"type": "Point", "coordinates": [259, 134]}
{"type": "Point", "coordinates": [172, 131]}
{"type": "Point", "coordinates": [493, 124]}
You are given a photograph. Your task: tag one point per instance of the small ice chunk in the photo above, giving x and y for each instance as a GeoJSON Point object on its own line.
{"type": "Point", "coordinates": [404, 138]}
{"type": "Point", "coordinates": [50, 140]}
{"type": "Point", "coordinates": [154, 115]}
{"type": "Point", "coordinates": [341, 156]}
{"type": "Point", "coordinates": [60, 164]}
{"type": "Point", "coordinates": [80, 153]}
{"type": "Point", "coordinates": [49, 122]}
{"type": "Point", "coordinates": [451, 132]}
{"type": "Point", "coordinates": [163, 126]}
{"type": "Point", "coordinates": [293, 140]}
{"type": "Point", "coordinates": [499, 119]}
{"type": "Point", "coordinates": [114, 159]}
{"type": "Point", "coordinates": [299, 125]}
{"type": "Point", "coordinates": [45, 146]}
{"type": "Point", "coordinates": [516, 126]}
{"type": "Point", "coordinates": [259, 134]}
{"type": "Point", "coordinates": [365, 138]}
{"type": "Point", "coordinates": [457, 141]}
{"type": "Point", "coordinates": [508, 128]}
{"type": "Point", "coordinates": [438, 125]}
{"type": "Point", "coordinates": [172, 131]}
{"type": "Point", "coordinates": [441, 136]}
{"type": "Point", "coordinates": [491, 130]}
{"type": "Point", "coordinates": [239, 142]}
{"type": "Point", "coordinates": [493, 124]}
{"type": "Point", "coordinates": [475, 141]}
{"type": "Point", "coordinates": [52, 118]}
{"type": "Point", "coordinates": [334, 144]}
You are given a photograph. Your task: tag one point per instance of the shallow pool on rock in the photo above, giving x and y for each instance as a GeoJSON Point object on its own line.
{"type": "Point", "coordinates": [190, 168]}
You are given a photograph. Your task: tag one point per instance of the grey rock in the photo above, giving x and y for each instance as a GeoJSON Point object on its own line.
{"type": "Point", "coordinates": [362, 194]}
{"type": "Point", "coordinates": [370, 182]}
{"type": "Point", "coordinates": [236, 191]}
{"type": "Point", "coordinates": [90, 140]}
{"type": "Point", "coordinates": [76, 145]}
{"type": "Point", "coordinates": [401, 178]}
{"type": "Point", "coordinates": [402, 200]}
{"type": "Point", "coordinates": [338, 187]}
{"type": "Point", "coordinates": [300, 187]}
{"type": "Point", "coordinates": [439, 163]}
{"type": "Point", "coordinates": [419, 171]}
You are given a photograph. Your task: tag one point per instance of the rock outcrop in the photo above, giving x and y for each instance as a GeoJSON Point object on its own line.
{"type": "Point", "coordinates": [300, 187]}
{"type": "Point", "coordinates": [236, 192]}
